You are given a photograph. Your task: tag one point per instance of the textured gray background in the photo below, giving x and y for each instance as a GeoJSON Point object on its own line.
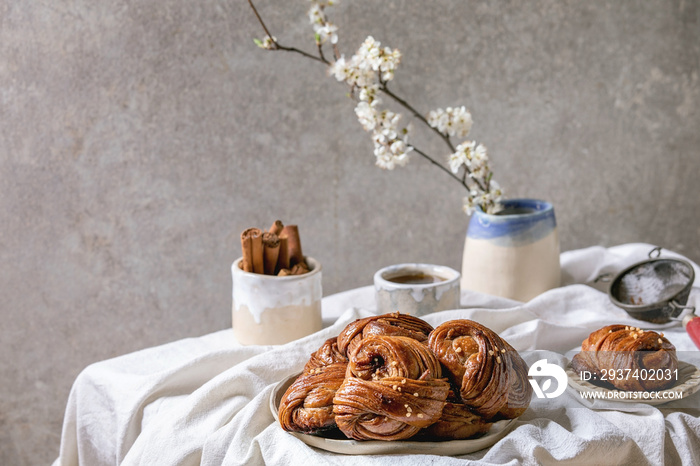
{"type": "Point", "coordinates": [139, 138]}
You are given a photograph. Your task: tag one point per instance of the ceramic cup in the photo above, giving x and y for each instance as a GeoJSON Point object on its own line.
{"type": "Point", "coordinates": [272, 310]}
{"type": "Point", "coordinates": [416, 289]}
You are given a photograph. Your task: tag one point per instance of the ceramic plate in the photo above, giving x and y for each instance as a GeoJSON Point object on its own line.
{"type": "Point", "coordinates": [688, 383]}
{"type": "Point", "coordinates": [376, 447]}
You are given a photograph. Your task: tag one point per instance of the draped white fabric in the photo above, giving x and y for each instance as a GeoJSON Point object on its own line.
{"type": "Point", "coordinates": [205, 400]}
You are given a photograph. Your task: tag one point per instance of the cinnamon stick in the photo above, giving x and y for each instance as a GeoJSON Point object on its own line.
{"type": "Point", "coordinates": [283, 258]}
{"type": "Point", "coordinates": [256, 249]}
{"type": "Point", "coordinates": [247, 248]}
{"type": "Point", "coordinates": [293, 244]}
{"type": "Point", "coordinates": [271, 249]}
{"type": "Point", "coordinates": [276, 227]}
{"type": "Point", "coordinates": [299, 269]}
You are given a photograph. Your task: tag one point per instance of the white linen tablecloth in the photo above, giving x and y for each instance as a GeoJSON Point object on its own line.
{"type": "Point", "coordinates": [205, 400]}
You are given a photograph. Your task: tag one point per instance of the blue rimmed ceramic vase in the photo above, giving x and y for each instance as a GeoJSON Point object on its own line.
{"type": "Point", "coordinates": [513, 254]}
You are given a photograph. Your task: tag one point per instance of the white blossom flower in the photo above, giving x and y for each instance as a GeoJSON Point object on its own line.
{"type": "Point", "coordinates": [479, 155]}
{"type": "Point", "coordinates": [385, 131]}
{"type": "Point", "coordinates": [496, 194]}
{"type": "Point", "coordinates": [324, 29]}
{"type": "Point", "coordinates": [316, 14]}
{"type": "Point", "coordinates": [327, 32]}
{"type": "Point", "coordinates": [369, 94]}
{"type": "Point", "coordinates": [391, 146]}
{"type": "Point", "coordinates": [489, 201]}
{"type": "Point", "coordinates": [451, 121]}
{"type": "Point", "coordinates": [351, 72]}
{"type": "Point", "coordinates": [369, 54]}
{"type": "Point", "coordinates": [462, 156]}
{"type": "Point", "coordinates": [398, 147]}
{"type": "Point", "coordinates": [438, 119]}
{"type": "Point", "coordinates": [387, 159]}
{"type": "Point", "coordinates": [390, 60]}
{"type": "Point", "coordinates": [469, 202]}
{"type": "Point", "coordinates": [461, 122]}
{"type": "Point", "coordinates": [268, 43]}
{"type": "Point", "coordinates": [367, 115]}
{"type": "Point", "coordinates": [479, 164]}
{"type": "Point", "coordinates": [340, 69]}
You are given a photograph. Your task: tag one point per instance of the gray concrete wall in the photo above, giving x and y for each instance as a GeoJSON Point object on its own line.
{"type": "Point", "coordinates": [139, 138]}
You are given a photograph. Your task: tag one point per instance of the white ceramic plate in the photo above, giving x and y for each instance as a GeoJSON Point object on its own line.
{"type": "Point", "coordinates": [688, 383]}
{"type": "Point", "coordinates": [376, 447]}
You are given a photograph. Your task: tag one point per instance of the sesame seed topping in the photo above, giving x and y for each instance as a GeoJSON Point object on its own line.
{"type": "Point", "coordinates": [498, 360]}
{"type": "Point", "coordinates": [660, 341]}
{"type": "Point", "coordinates": [661, 334]}
{"type": "Point", "coordinates": [408, 414]}
{"type": "Point", "coordinates": [458, 349]}
{"type": "Point", "coordinates": [394, 387]}
{"type": "Point", "coordinates": [399, 389]}
{"type": "Point", "coordinates": [403, 381]}
{"type": "Point", "coordinates": [503, 351]}
{"type": "Point", "coordinates": [415, 394]}
{"type": "Point", "coordinates": [420, 415]}
{"type": "Point", "coordinates": [490, 352]}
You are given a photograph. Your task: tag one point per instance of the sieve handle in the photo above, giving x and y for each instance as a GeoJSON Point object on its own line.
{"type": "Point", "coordinates": [675, 305]}
{"type": "Point", "coordinates": [680, 317]}
{"type": "Point", "coordinates": [655, 253]}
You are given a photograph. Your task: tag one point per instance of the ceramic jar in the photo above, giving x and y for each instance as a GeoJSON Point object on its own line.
{"type": "Point", "coordinates": [513, 254]}
{"type": "Point", "coordinates": [272, 310]}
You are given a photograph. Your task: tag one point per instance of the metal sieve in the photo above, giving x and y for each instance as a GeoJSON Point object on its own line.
{"type": "Point", "coordinates": [655, 290]}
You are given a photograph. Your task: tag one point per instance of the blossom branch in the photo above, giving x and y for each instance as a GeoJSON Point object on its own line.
{"type": "Point", "coordinates": [367, 74]}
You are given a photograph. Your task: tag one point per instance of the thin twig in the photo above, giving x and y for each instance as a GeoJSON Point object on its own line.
{"type": "Point", "coordinates": [262, 23]}
{"type": "Point", "coordinates": [439, 165]}
{"type": "Point", "coordinates": [307, 55]}
{"type": "Point", "coordinates": [320, 52]}
{"type": "Point", "coordinates": [278, 46]}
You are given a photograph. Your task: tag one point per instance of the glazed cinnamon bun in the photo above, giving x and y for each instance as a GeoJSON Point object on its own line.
{"type": "Point", "coordinates": [307, 405]}
{"type": "Point", "coordinates": [630, 352]}
{"type": "Point", "coordinates": [391, 391]}
{"type": "Point", "coordinates": [394, 324]}
{"type": "Point", "coordinates": [487, 373]}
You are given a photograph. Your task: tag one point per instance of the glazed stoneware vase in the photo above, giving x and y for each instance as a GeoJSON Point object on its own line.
{"type": "Point", "coordinates": [513, 254]}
